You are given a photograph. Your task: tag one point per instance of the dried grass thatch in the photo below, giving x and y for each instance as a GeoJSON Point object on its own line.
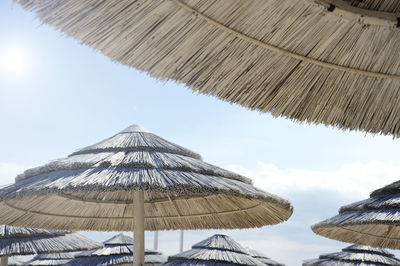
{"type": "Point", "coordinates": [92, 189]}
{"type": "Point", "coordinates": [217, 250]}
{"type": "Point", "coordinates": [27, 241]}
{"type": "Point", "coordinates": [374, 221]}
{"type": "Point", "coordinates": [355, 255]}
{"type": "Point", "coordinates": [51, 259]}
{"type": "Point", "coordinates": [13, 261]}
{"type": "Point", "coordinates": [333, 62]}
{"type": "Point", "coordinates": [117, 251]}
{"type": "Point", "coordinates": [264, 259]}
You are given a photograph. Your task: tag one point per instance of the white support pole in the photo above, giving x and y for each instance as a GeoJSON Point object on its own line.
{"type": "Point", "coordinates": [4, 260]}
{"type": "Point", "coordinates": [138, 224]}
{"type": "Point", "coordinates": [156, 240]}
{"type": "Point", "coordinates": [181, 241]}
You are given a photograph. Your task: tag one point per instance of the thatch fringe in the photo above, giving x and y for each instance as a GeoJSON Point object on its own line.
{"type": "Point", "coordinates": [51, 259]}
{"type": "Point", "coordinates": [264, 259]}
{"type": "Point", "coordinates": [117, 251]}
{"type": "Point", "coordinates": [27, 241]}
{"type": "Point", "coordinates": [374, 221]}
{"type": "Point", "coordinates": [295, 59]}
{"type": "Point", "coordinates": [355, 255]}
{"type": "Point", "coordinates": [92, 190]}
{"type": "Point", "coordinates": [217, 250]}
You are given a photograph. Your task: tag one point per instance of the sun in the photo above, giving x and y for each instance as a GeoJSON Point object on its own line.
{"type": "Point", "coordinates": [14, 61]}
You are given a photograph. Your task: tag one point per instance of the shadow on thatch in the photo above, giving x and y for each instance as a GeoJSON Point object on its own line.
{"type": "Point", "coordinates": [118, 250]}
{"type": "Point", "coordinates": [355, 255]}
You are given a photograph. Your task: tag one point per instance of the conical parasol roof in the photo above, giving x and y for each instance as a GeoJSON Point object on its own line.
{"type": "Point", "coordinates": [51, 259]}
{"type": "Point", "coordinates": [27, 241]}
{"type": "Point", "coordinates": [117, 251]}
{"type": "Point", "coordinates": [355, 255]}
{"type": "Point", "coordinates": [374, 221]}
{"type": "Point", "coordinates": [217, 250]}
{"type": "Point", "coordinates": [264, 259]}
{"type": "Point", "coordinates": [93, 188]}
{"type": "Point", "coordinates": [332, 62]}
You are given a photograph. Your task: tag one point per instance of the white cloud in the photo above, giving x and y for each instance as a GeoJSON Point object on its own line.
{"type": "Point", "coordinates": [8, 171]}
{"type": "Point", "coordinates": [359, 178]}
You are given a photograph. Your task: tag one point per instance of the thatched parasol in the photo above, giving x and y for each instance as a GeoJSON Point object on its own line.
{"type": "Point", "coordinates": [137, 180]}
{"type": "Point", "coordinates": [51, 259]}
{"type": "Point", "coordinates": [333, 62]}
{"type": "Point", "coordinates": [13, 261]}
{"type": "Point", "coordinates": [355, 255]}
{"type": "Point", "coordinates": [28, 241]}
{"type": "Point", "coordinates": [117, 251]}
{"type": "Point", "coordinates": [264, 259]}
{"type": "Point", "coordinates": [217, 250]}
{"type": "Point", "coordinates": [374, 221]}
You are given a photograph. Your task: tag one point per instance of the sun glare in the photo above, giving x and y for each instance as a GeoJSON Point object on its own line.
{"type": "Point", "coordinates": [14, 61]}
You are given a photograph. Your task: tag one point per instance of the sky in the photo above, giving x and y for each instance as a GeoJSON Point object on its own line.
{"type": "Point", "coordinates": [57, 96]}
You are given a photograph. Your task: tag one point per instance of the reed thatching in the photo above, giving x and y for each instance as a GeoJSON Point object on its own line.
{"type": "Point", "coordinates": [13, 261]}
{"type": "Point", "coordinates": [217, 250]}
{"type": "Point", "coordinates": [332, 62]}
{"type": "Point", "coordinates": [264, 259]}
{"type": "Point", "coordinates": [92, 190]}
{"type": "Point", "coordinates": [374, 221]}
{"type": "Point", "coordinates": [117, 251]}
{"type": "Point", "coordinates": [355, 255]}
{"type": "Point", "coordinates": [28, 241]}
{"type": "Point", "coordinates": [51, 259]}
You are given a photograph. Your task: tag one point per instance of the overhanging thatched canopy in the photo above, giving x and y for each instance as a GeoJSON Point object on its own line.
{"type": "Point", "coordinates": [217, 250]}
{"type": "Point", "coordinates": [333, 62]}
{"type": "Point", "coordinates": [264, 259]}
{"type": "Point", "coordinates": [117, 251]}
{"type": "Point", "coordinates": [27, 241]}
{"type": "Point", "coordinates": [374, 221]}
{"type": "Point", "coordinates": [51, 259]}
{"type": "Point", "coordinates": [355, 255]}
{"type": "Point", "coordinates": [92, 189]}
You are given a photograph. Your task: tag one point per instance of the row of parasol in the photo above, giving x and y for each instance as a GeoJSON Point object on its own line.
{"type": "Point", "coordinates": [137, 181]}
{"type": "Point", "coordinates": [321, 61]}
{"type": "Point", "coordinates": [62, 248]}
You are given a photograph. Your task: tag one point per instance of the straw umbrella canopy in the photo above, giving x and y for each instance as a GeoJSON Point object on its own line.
{"type": "Point", "coordinates": [264, 259]}
{"type": "Point", "coordinates": [28, 241]}
{"type": "Point", "coordinates": [118, 250]}
{"type": "Point", "coordinates": [374, 221]}
{"type": "Point", "coordinates": [355, 255]}
{"type": "Point", "coordinates": [51, 259]}
{"type": "Point", "coordinates": [217, 250]}
{"type": "Point", "coordinates": [137, 180]}
{"type": "Point", "coordinates": [332, 62]}
{"type": "Point", "coordinates": [13, 261]}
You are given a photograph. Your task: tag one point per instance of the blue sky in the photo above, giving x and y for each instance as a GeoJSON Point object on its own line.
{"type": "Point", "coordinates": [69, 96]}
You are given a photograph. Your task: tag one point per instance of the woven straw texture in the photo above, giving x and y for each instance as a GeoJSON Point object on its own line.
{"type": "Point", "coordinates": [92, 190]}
{"type": "Point", "coordinates": [264, 259]}
{"type": "Point", "coordinates": [330, 62]}
{"type": "Point", "coordinates": [374, 221]}
{"type": "Point", "coordinates": [51, 259]}
{"type": "Point", "coordinates": [355, 255]}
{"type": "Point", "coordinates": [27, 241]}
{"type": "Point", "coordinates": [217, 250]}
{"type": "Point", "coordinates": [117, 251]}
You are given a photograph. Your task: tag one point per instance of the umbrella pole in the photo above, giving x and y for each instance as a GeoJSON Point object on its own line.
{"type": "Point", "coordinates": [4, 260]}
{"type": "Point", "coordinates": [138, 233]}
